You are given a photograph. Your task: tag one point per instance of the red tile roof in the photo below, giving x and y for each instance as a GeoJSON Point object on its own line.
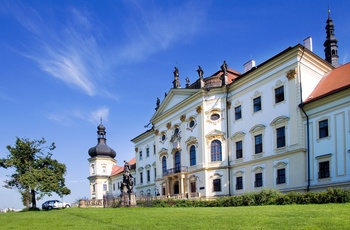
{"type": "Point", "coordinates": [335, 81]}
{"type": "Point", "coordinates": [119, 169]}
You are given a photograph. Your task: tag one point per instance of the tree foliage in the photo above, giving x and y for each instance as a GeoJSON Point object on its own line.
{"type": "Point", "coordinates": [35, 174]}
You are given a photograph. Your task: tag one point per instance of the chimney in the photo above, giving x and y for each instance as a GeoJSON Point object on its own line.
{"type": "Point", "coordinates": [249, 65]}
{"type": "Point", "coordinates": [308, 43]}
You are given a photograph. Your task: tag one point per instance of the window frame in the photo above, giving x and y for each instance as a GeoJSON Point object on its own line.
{"type": "Point", "coordinates": [193, 158]}
{"type": "Point", "coordinates": [258, 147]}
{"type": "Point", "coordinates": [322, 128]}
{"type": "Point", "coordinates": [279, 96]}
{"type": "Point", "coordinates": [281, 177]}
{"type": "Point", "coordinates": [322, 166]}
{"type": "Point", "coordinates": [258, 183]}
{"type": "Point", "coordinates": [238, 113]}
{"type": "Point", "coordinates": [216, 151]}
{"type": "Point", "coordinates": [239, 151]}
{"type": "Point", "coordinates": [280, 140]}
{"type": "Point", "coordinates": [239, 183]}
{"type": "Point", "coordinates": [257, 104]}
{"type": "Point", "coordinates": [217, 185]}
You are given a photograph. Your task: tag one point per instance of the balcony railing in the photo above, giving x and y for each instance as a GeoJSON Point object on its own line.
{"type": "Point", "coordinates": [175, 170]}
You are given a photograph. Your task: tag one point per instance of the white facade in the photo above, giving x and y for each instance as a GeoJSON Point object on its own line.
{"type": "Point", "coordinates": [247, 135]}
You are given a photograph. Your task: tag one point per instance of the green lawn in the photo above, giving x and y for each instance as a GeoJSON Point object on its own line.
{"type": "Point", "coordinates": [325, 216]}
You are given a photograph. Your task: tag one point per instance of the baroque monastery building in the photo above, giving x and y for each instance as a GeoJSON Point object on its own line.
{"type": "Point", "coordinates": [282, 124]}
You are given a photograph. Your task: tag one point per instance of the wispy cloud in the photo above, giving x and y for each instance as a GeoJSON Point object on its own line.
{"type": "Point", "coordinates": [152, 29]}
{"type": "Point", "coordinates": [69, 53]}
{"type": "Point", "coordinates": [72, 47]}
{"type": "Point", "coordinates": [69, 117]}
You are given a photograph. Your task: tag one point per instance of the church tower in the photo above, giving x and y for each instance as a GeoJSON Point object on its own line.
{"type": "Point", "coordinates": [331, 47]}
{"type": "Point", "coordinates": [101, 162]}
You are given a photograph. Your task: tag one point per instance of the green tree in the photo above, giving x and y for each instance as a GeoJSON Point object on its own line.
{"type": "Point", "coordinates": [35, 174]}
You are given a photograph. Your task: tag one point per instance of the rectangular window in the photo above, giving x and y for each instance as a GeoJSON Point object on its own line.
{"type": "Point", "coordinates": [147, 152]}
{"type": "Point", "coordinates": [323, 169]}
{"type": "Point", "coordinates": [239, 183]}
{"type": "Point", "coordinates": [141, 177]}
{"type": "Point", "coordinates": [238, 112]}
{"type": "Point", "coordinates": [140, 155]}
{"type": "Point", "coordinates": [258, 144]}
{"type": "Point", "coordinates": [193, 187]}
{"type": "Point", "coordinates": [93, 188]}
{"type": "Point", "coordinates": [257, 104]}
{"type": "Point", "coordinates": [323, 128]}
{"type": "Point", "coordinates": [104, 187]}
{"type": "Point", "coordinates": [155, 173]}
{"type": "Point", "coordinates": [154, 149]}
{"type": "Point", "coordinates": [279, 94]}
{"type": "Point", "coordinates": [281, 137]}
{"type": "Point", "coordinates": [281, 176]}
{"type": "Point", "coordinates": [258, 180]}
{"type": "Point", "coordinates": [217, 185]}
{"type": "Point", "coordinates": [113, 187]}
{"type": "Point", "coordinates": [148, 176]}
{"type": "Point", "coordinates": [239, 150]}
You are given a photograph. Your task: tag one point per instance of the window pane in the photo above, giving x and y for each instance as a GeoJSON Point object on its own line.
{"type": "Point", "coordinates": [257, 104]}
{"type": "Point", "coordinates": [279, 94]}
{"type": "Point", "coordinates": [323, 128]}
{"type": "Point", "coordinates": [217, 185]}
{"type": "Point", "coordinates": [192, 155]}
{"type": "Point", "coordinates": [258, 144]}
{"type": "Point", "coordinates": [258, 180]}
{"type": "Point", "coordinates": [239, 150]}
{"type": "Point", "coordinates": [239, 183]}
{"type": "Point", "coordinates": [281, 139]}
{"type": "Point", "coordinates": [324, 170]}
{"type": "Point", "coordinates": [238, 113]}
{"type": "Point", "coordinates": [281, 176]}
{"type": "Point", "coordinates": [215, 150]}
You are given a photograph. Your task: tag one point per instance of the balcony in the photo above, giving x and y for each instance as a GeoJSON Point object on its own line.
{"type": "Point", "coordinates": [175, 170]}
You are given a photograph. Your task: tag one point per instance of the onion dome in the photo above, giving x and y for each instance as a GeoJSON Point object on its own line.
{"type": "Point", "coordinates": [101, 149]}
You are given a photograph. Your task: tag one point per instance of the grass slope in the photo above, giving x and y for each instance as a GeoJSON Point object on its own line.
{"type": "Point", "coordinates": [325, 216]}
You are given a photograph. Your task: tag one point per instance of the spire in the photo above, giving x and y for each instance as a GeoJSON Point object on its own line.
{"type": "Point", "coordinates": [331, 47]}
{"type": "Point", "coordinates": [101, 149]}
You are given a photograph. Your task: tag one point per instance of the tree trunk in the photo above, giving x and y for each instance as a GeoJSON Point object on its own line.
{"type": "Point", "coordinates": [26, 198]}
{"type": "Point", "coordinates": [33, 198]}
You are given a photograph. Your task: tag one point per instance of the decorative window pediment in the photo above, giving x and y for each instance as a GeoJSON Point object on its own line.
{"type": "Point", "coordinates": [192, 141]}
{"type": "Point", "coordinates": [238, 135]}
{"type": "Point", "coordinates": [280, 164]}
{"type": "Point", "coordinates": [216, 175]}
{"type": "Point", "coordinates": [258, 169]}
{"type": "Point", "coordinates": [148, 166]}
{"type": "Point", "coordinates": [257, 128]}
{"type": "Point", "coordinates": [238, 172]}
{"type": "Point", "coordinates": [175, 150]}
{"type": "Point", "coordinates": [140, 169]}
{"type": "Point", "coordinates": [215, 134]}
{"type": "Point", "coordinates": [279, 120]}
{"type": "Point", "coordinates": [163, 152]}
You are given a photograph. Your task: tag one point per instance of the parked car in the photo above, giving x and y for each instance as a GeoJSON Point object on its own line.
{"type": "Point", "coordinates": [50, 204]}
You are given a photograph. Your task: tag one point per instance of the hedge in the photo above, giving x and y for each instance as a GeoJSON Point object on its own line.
{"type": "Point", "coordinates": [264, 197]}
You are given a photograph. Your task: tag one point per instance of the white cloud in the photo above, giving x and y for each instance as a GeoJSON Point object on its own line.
{"type": "Point", "coordinates": [68, 52]}
{"type": "Point", "coordinates": [151, 29]}
{"type": "Point", "coordinates": [69, 117]}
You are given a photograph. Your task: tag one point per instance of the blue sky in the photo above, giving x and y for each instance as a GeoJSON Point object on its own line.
{"type": "Point", "coordinates": [65, 64]}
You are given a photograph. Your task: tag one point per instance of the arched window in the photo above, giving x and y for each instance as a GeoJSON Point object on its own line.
{"type": "Point", "coordinates": [177, 162]}
{"type": "Point", "coordinates": [216, 151]}
{"type": "Point", "coordinates": [164, 164]}
{"type": "Point", "coordinates": [192, 155]}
